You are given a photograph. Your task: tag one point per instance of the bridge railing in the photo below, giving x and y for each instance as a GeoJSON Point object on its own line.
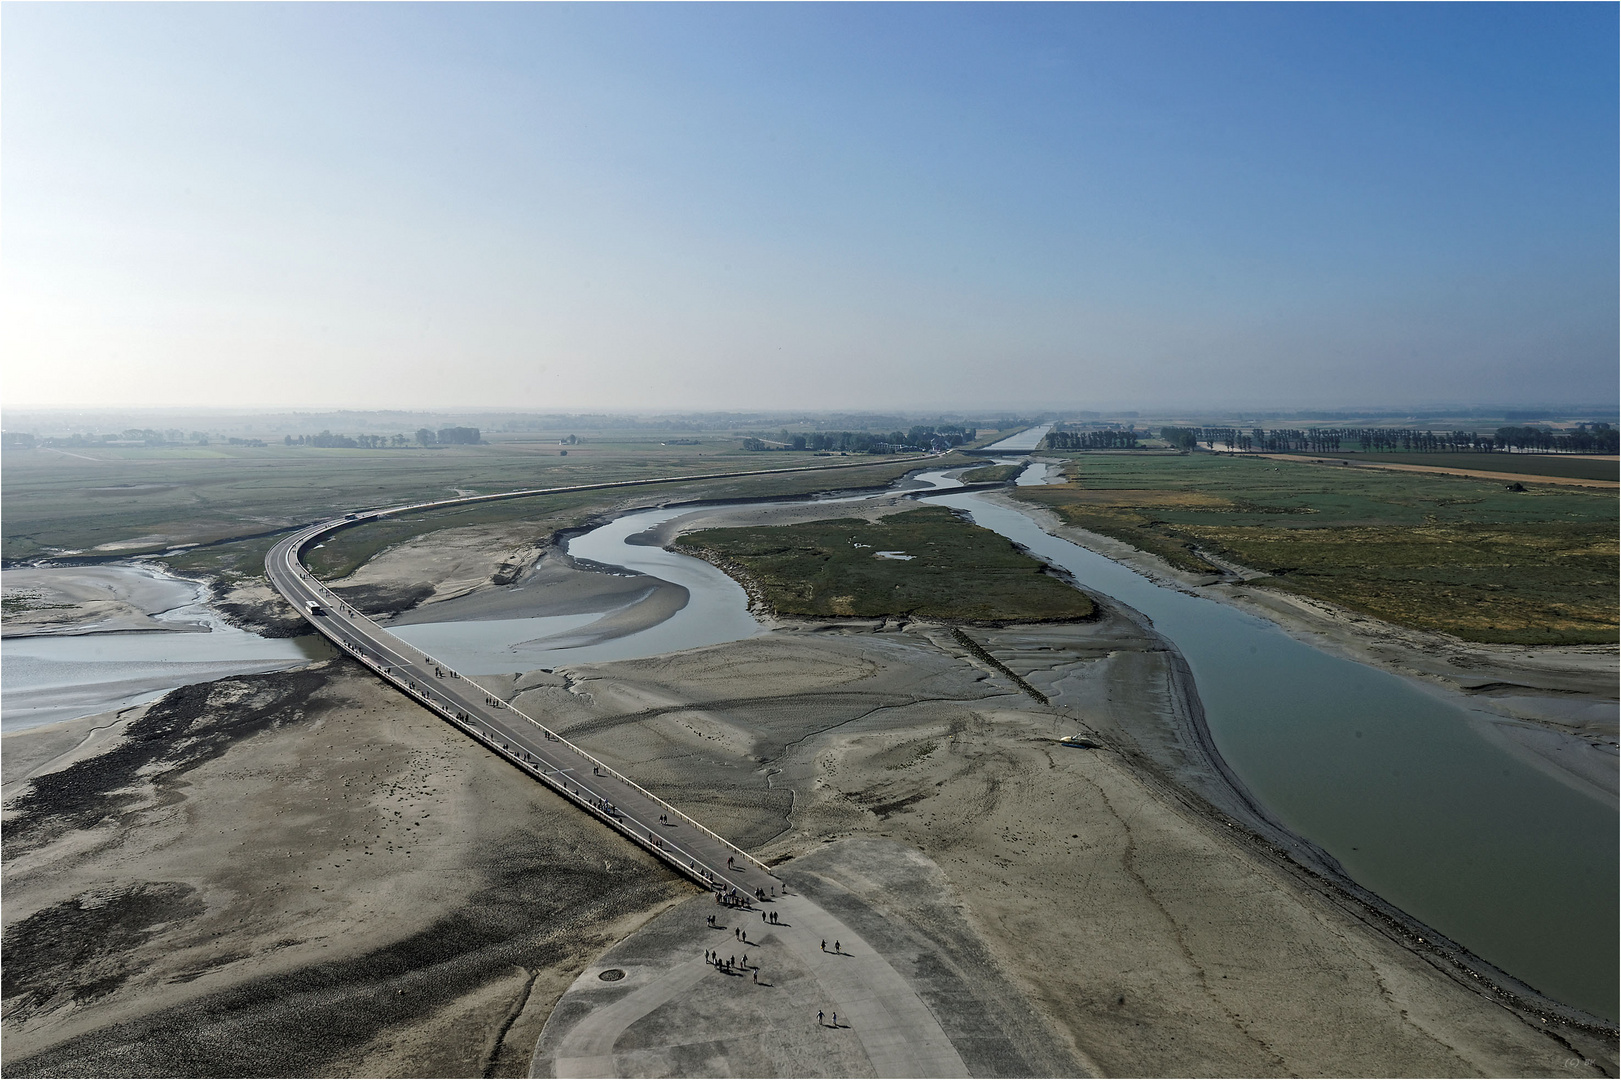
{"type": "Point", "coordinates": [296, 544]}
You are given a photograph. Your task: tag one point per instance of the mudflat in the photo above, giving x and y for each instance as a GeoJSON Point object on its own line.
{"type": "Point", "coordinates": [305, 873]}
{"type": "Point", "coordinates": [296, 874]}
{"type": "Point", "coordinates": [91, 599]}
{"type": "Point", "coordinates": [1146, 934]}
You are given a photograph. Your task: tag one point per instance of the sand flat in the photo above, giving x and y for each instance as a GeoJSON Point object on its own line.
{"type": "Point", "coordinates": [310, 843]}
{"type": "Point", "coordinates": [94, 599]}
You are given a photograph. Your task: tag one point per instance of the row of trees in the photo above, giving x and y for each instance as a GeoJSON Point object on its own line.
{"type": "Point", "coordinates": [23, 440]}
{"type": "Point", "coordinates": [468, 436]}
{"type": "Point", "coordinates": [1101, 439]}
{"type": "Point", "coordinates": [920, 437]}
{"type": "Point", "coordinates": [1583, 439]}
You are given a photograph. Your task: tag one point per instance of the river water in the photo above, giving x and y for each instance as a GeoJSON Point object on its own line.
{"type": "Point", "coordinates": [1022, 443]}
{"type": "Point", "coordinates": [47, 679]}
{"type": "Point", "coordinates": [1406, 789]}
{"type": "Point", "coordinates": [717, 610]}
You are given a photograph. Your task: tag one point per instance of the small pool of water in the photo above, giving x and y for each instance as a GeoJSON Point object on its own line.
{"type": "Point", "coordinates": [1039, 474]}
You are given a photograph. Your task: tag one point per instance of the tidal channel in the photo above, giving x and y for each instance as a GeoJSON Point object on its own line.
{"type": "Point", "coordinates": [1402, 786]}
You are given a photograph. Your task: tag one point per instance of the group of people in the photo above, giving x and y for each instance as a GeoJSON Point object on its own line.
{"type": "Point", "coordinates": [730, 964]}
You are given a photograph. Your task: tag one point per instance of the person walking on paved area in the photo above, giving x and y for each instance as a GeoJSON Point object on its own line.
{"type": "Point", "coordinates": [756, 976]}
{"type": "Point", "coordinates": [837, 947]}
{"type": "Point", "coordinates": [821, 1017]}
{"type": "Point", "coordinates": [824, 944]}
{"type": "Point", "coordinates": [745, 961]}
{"type": "Point", "coordinates": [835, 1019]}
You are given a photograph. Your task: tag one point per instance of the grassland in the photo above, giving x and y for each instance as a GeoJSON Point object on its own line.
{"type": "Point", "coordinates": [1529, 465]}
{"type": "Point", "coordinates": [992, 474]}
{"type": "Point", "coordinates": [1462, 556]}
{"type": "Point", "coordinates": [132, 501]}
{"type": "Point", "coordinates": [957, 571]}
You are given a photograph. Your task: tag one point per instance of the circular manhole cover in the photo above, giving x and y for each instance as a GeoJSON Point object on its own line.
{"type": "Point", "coordinates": [611, 975]}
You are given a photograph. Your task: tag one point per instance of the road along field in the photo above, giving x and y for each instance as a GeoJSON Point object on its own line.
{"type": "Point", "coordinates": [1579, 469]}
{"type": "Point", "coordinates": [1598, 473]}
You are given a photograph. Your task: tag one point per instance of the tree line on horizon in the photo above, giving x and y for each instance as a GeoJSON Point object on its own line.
{"type": "Point", "coordinates": [1100, 439]}
{"type": "Point", "coordinates": [920, 437]}
{"type": "Point", "coordinates": [452, 436]}
{"type": "Point", "coordinates": [1593, 438]}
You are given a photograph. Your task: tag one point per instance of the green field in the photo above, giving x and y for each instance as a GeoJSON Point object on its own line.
{"type": "Point", "coordinates": [957, 572]}
{"type": "Point", "coordinates": [129, 501]}
{"type": "Point", "coordinates": [1560, 465]}
{"type": "Point", "coordinates": [1435, 552]}
{"type": "Point", "coordinates": [992, 474]}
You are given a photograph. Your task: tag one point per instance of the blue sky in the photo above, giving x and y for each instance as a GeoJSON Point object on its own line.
{"type": "Point", "coordinates": [803, 206]}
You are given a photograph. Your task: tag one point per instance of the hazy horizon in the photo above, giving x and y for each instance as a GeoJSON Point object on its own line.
{"type": "Point", "coordinates": [566, 208]}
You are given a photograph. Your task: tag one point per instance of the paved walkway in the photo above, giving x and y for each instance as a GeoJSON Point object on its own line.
{"type": "Point", "coordinates": [899, 1033]}
{"type": "Point", "coordinates": [588, 1050]}
{"type": "Point", "coordinates": [674, 1016]}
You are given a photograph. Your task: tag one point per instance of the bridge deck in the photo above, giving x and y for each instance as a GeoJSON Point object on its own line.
{"type": "Point", "coordinates": [662, 829]}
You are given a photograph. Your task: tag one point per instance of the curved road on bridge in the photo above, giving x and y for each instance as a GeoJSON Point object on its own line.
{"type": "Point", "coordinates": [592, 785]}
{"type": "Point", "coordinates": [898, 1032]}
